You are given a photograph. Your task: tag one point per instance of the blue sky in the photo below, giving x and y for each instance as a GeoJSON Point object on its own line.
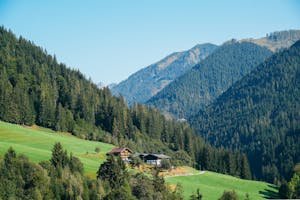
{"type": "Point", "coordinates": [108, 39]}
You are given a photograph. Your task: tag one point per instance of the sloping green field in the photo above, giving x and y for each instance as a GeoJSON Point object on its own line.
{"type": "Point", "coordinates": [37, 143]}
{"type": "Point", "coordinates": [212, 186]}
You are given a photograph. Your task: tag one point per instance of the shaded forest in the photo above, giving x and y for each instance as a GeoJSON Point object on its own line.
{"type": "Point", "coordinates": [260, 115]}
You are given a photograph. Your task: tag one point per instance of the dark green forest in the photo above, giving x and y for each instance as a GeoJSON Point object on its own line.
{"type": "Point", "coordinates": [260, 115]}
{"type": "Point", "coordinates": [36, 89]}
{"type": "Point", "coordinates": [211, 77]}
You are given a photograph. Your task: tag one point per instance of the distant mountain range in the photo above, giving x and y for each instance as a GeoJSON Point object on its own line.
{"type": "Point", "coordinates": [260, 115]}
{"type": "Point", "coordinates": [147, 82]}
{"type": "Point", "coordinates": [141, 86]}
{"type": "Point", "coordinates": [199, 86]}
{"type": "Point", "coordinates": [211, 77]}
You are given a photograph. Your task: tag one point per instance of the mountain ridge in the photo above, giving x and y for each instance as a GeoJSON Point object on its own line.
{"type": "Point", "coordinates": [145, 83]}
{"type": "Point", "coordinates": [205, 81]}
{"type": "Point", "coordinates": [277, 40]}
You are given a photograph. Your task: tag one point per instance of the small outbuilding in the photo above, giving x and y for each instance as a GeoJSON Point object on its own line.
{"type": "Point", "coordinates": [155, 159]}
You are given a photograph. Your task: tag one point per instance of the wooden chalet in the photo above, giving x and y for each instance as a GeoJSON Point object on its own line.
{"type": "Point", "coordinates": [124, 153]}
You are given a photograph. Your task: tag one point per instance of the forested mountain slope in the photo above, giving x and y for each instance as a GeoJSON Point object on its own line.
{"type": "Point", "coordinates": [210, 78]}
{"type": "Point", "coordinates": [260, 115]}
{"type": "Point", "coordinates": [145, 83]}
{"type": "Point", "coordinates": [36, 89]}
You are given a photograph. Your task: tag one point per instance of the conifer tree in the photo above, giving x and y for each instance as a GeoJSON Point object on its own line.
{"type": "Point", "coordinates": [59, 156]}
{"type": "Point", "coordinates": [245, 169]}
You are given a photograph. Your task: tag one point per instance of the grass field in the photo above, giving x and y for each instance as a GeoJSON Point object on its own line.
{"type": "Point", "coordinates": [212, 186]}
{"type": "Point", "coordinates": [37, 143]}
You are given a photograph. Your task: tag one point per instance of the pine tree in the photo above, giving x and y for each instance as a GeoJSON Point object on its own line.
{"type": "Point", "coordinates": [245, 169]}
{"type": "Point", "coordinates": [59, 156]}
{"type": "Point", "coordinates": [114, 171]}
{"type": "Point", "coordinates": [197, 196]}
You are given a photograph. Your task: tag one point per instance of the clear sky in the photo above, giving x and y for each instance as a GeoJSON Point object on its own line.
{"type": "Point", "coordinates": [108, 39]}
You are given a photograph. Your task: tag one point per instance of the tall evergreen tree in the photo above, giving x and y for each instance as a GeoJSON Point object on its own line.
{"type": "Point", "coordinates": [59, 156]}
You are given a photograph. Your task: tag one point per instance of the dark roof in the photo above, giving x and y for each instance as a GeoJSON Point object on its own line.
{"type": "Point", "coordinates": [161, 156]}
{"type": "Point", "coordinates": [119, 150]}
{"type": "Point", "coordinates": [139, 155]}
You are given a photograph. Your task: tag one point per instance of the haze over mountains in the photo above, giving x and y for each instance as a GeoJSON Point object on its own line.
{"type": "Point", "coordinates": [147, 82]}
{"type": "Point", "coordinates": [150, 81]}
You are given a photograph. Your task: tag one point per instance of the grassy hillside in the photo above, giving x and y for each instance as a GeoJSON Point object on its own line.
{"type": "Point", "coordinates": [37, 143]}
{"type": "Point", "coordinates": [212, 186]}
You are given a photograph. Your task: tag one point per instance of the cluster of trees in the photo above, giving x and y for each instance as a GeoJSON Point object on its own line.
{"type": "Point", "coordinates": [211, 77]}
{"type": "Point", "coordinates": [259, 115]}
{"type": "Point", "coordinates": [36, 89]}
{"type": "Point", "coordinates": [291, 190]}
{"type": "Point", "coordinates": [119, 184]}
{"type": "Point", "coordinates": [284, 35]}
{"type": "Point", "coordinates": [62, 178]}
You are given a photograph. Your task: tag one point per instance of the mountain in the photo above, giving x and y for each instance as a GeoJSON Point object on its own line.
{"type": "Point", "coordinates": [278, 40]}
{"type": "Point", "coordinates": [260, 115]}
{"type": "Point", "coordinates": [37, 90]}
{"type": "Point", "coordinates": [145, 83]}
{"type": "Point", "coordinates": [210, 78]}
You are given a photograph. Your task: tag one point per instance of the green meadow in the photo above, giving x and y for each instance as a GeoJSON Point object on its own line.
{"type": "Point", "coordinates": [212, 186]}
{"type": "Point", "coordinates": [37, 143]}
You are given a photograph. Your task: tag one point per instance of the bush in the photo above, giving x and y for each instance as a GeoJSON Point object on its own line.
{"type": "Point", "coordinates": [229, 195]}
{"type": "Point", "coordinates": [166, 164]}
{"type": "Point", "coordinates": [136, 161]}
{"type": "Point", "coordinates": [97, 149]}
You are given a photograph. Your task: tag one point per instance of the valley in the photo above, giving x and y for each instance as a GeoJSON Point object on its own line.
{"type": "Point", "coordinates": [150, 100]}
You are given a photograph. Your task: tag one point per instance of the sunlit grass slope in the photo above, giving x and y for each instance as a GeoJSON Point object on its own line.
{"type": "Point", "coordinates": [212, 186]}
{"type": "Point", "coordinates": [37, 143]}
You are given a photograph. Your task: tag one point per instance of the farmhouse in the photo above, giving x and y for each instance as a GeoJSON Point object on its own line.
{"type": "Point", "coordinates": [124, 153]}
{"type": "Point", "coordinates": [155, 159]}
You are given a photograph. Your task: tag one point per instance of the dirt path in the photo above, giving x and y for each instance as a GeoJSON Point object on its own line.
{"type": "Point", "coordinates": [188, 174]}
